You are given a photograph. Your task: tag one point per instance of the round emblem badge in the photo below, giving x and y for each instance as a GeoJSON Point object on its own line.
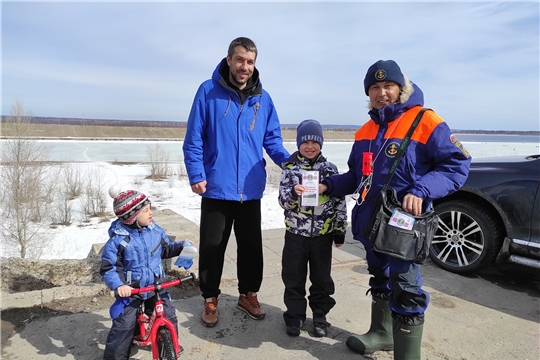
{"type": "Point", "coordinates": [391, 149]}
{"type": "Point", "coordinates": [380, 75]}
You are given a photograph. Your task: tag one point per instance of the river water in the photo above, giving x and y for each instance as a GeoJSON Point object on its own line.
{"type": "Point", "coordinates": [337, 152]}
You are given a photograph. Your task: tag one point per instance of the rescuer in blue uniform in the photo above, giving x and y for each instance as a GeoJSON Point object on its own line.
{"type": "Point", "coordinates": [434, 165]}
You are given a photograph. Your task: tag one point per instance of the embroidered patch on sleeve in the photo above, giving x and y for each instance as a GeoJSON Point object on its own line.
{"type": "Point", "coordinates": [454, 140]}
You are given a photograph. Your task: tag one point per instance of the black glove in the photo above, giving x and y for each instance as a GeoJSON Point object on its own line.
{"type": "Point", "coordinates": [339, 239]}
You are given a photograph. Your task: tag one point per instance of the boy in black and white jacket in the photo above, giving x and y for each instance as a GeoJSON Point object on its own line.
{"type": "Point", "coordinates": [310, 232]}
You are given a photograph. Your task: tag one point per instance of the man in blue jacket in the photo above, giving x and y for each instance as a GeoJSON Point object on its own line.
{"type": "Point", "coordinates": [231, 120]}
{"type": "Point", "coordinates": [434, 164]}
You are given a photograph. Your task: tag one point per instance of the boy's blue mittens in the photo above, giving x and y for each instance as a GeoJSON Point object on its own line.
{"type": "Point", "coordinates": [339, 239]}
{"type": "Point", "coordinates": [117, 308]}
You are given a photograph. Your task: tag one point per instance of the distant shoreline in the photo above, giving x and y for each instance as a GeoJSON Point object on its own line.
{"type": "Point", "coordinates": [82, 126]}
{"type": "Point", "coordinates": [286, 138]}
{"type": "Point", "coordinates": [139, 133]}
{"type": "Point", "coordinates": [328, 134]}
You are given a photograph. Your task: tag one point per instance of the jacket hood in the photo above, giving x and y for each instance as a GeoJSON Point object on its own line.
{"type": "Point", "coordinates": [220, 74]}
{"type": "Point", "coordinates": [119, 228]}
{"type": "Point", "coordinates": [410, 98]}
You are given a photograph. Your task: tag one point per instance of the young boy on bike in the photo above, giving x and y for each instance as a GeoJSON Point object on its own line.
{"type": "Point", "coordinates": [132, 259]}
{"type": "Point", "coordinates": [311, 228]}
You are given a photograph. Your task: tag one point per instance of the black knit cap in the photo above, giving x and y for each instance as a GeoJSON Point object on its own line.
{"type": "Point", "coordinates": [383, 70]}
{"type": "Point", "coordinates": [309, 130]}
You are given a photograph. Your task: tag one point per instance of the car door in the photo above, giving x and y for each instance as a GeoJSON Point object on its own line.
{"type": "Point", "coordinates": [533, 246]}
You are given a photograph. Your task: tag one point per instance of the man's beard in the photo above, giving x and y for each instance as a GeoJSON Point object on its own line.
{"type": "Point", "coordinates": [236, 81]}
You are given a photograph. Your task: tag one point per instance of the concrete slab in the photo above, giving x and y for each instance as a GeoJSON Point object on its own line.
{"type": "Point", "coordinates": [490, 316]}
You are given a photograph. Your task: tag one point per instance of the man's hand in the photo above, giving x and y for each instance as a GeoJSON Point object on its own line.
{"type": "Point", "coordinates": [322, 188]}
{"type": "Point", "coordinates": [412, 204]}
{"type": "Point", "coordinates": [123, 290]}
{"type": "Point", "coordinates": [199, 188]}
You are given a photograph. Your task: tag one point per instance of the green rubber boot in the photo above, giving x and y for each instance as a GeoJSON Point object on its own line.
{"type": "Point", "coordinates": [379, 335]}
{"type": "Point", "coordinates": [407, 340]}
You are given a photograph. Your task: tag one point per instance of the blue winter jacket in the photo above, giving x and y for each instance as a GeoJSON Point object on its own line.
{"type": "Point", "coordinates": [225, 139]}
{"type": "Point", "coordinates": [434, 165]}
{"type": "Point", "coordinates": [133, 256]}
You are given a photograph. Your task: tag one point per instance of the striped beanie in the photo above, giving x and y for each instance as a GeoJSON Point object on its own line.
{"type": "Point", "coordinates": [127, 204]}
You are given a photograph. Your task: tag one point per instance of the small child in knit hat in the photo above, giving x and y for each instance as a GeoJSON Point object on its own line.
{"type": "Point", "coordinates": [127, 205]}
{"type": "Point", "coordinates": [132, 258]}
{"type": "Point", "coordinates": [310, 232]}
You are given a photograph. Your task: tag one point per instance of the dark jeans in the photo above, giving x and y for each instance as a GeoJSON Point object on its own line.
{"type": "Point", "coordinates": [218, 218]}
{"type": "Point", "coordinates": [400, 279]}
{"type": "Point", "coordinates": [120, 337]}
{"type": "Point", "coordinates": [298, 253]}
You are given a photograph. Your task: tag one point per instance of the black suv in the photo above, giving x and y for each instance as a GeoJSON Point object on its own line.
{"type": "Point", "coordinates": [494, 216]}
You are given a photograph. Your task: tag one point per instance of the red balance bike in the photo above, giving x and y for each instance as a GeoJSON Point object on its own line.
{"type": "Point", "coordinates": [156, 330]}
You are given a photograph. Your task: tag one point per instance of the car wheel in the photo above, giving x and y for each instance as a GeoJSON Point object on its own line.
{"type": "Point", "coordinates": [467, 239]}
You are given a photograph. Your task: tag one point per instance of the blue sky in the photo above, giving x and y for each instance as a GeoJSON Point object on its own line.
{"type": "Point", "coordinates": [477, 63]}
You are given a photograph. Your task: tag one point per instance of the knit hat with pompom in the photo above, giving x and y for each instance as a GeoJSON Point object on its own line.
{"type": "Point", "coordinates": [127, 204]}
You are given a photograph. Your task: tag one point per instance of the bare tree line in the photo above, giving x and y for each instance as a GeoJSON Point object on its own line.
{"type": "Point", "coordinates": [35, 194]}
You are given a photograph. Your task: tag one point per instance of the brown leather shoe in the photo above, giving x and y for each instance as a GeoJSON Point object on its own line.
{"type": "Point", "coordinates": [210, 312]}
{"type": "Point", "coordinates": [250, 305]}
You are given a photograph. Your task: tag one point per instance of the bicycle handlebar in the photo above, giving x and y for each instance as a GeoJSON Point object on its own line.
{"type": "Point", "coordinates": [157, 287]}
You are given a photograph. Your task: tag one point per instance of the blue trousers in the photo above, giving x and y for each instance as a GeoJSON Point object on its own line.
{"type": "Point", "coordinates": [400, 279]}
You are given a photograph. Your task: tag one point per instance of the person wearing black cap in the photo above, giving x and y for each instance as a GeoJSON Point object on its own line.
{"type": "Point", "coordinates": [434, 165]}
{"type": "Point", "coordinates": [310, 231]}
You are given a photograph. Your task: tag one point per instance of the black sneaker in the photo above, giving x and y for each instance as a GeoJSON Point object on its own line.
{"type": "Point", "coordinates": [320, 325]}
{"type": "Point", "coordinates": [293, 330]}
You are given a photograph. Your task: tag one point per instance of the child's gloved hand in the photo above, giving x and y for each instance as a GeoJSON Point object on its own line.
{"type": "Point", "coordinates": [339, 239]}
{"type": "Point", "coordinates": [189, 241]}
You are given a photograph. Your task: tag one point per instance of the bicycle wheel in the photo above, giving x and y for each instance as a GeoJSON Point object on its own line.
{"type": "Point", "coordinates": [165, 344]}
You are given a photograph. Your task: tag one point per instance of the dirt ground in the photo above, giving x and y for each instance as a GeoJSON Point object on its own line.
{"type": "Point", "coordinates": [493, 315]}
{"type": "Point", "coordinates": [14, 320]}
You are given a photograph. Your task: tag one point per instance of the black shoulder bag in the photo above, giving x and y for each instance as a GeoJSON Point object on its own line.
{"type": "Point", "coordinates": [394, 232]}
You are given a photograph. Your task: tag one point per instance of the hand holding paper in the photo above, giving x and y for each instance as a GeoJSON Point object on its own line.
{"type": "Point", "coordinates": [310, 196]}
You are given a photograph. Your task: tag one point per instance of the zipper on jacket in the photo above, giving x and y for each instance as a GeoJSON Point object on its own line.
{"type": "Point", "coordinates": [146, 259]}
{"type": "Point", "coordinates": [238, 144]}
{"type": "Point", "coordinates": [155, 249]}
